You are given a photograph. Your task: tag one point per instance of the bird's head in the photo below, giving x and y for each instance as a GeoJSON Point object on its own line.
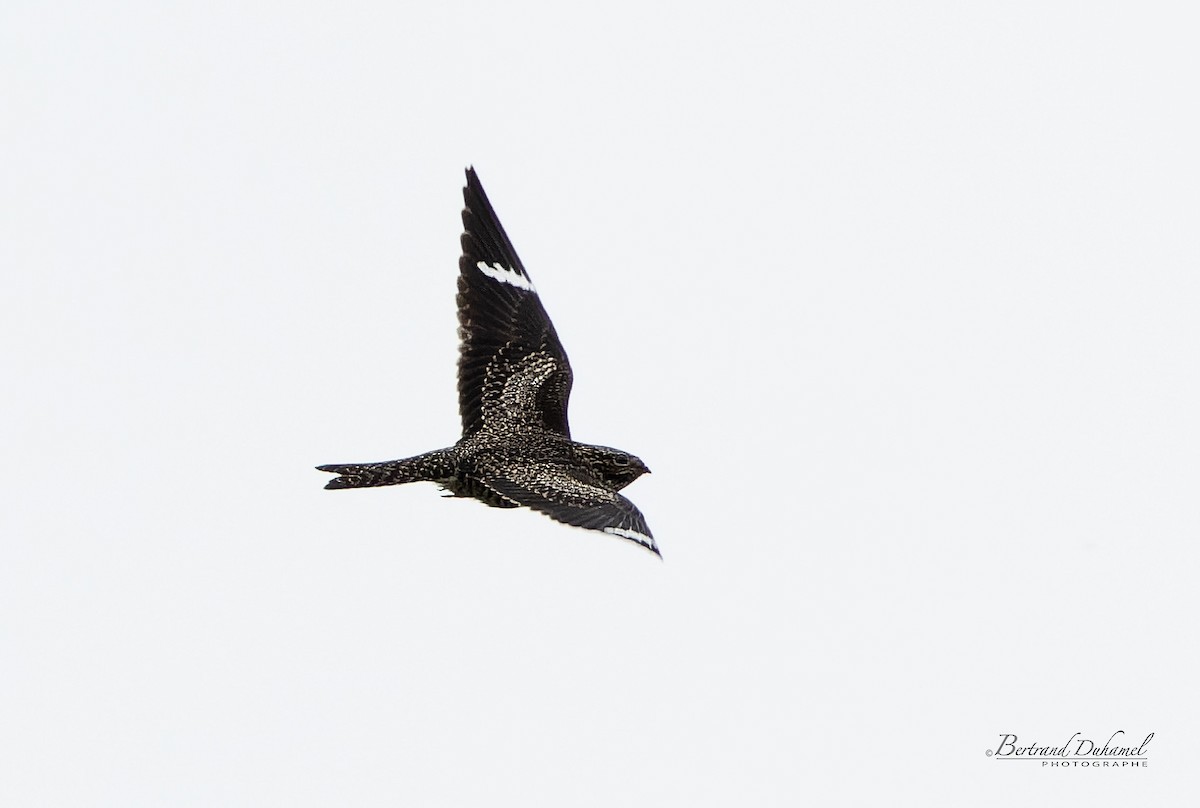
{"type": "Point", "coordinates": [616, 468]}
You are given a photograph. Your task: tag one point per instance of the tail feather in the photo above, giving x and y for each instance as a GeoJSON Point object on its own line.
{"type": "Point", "coordinates": [429, 466]}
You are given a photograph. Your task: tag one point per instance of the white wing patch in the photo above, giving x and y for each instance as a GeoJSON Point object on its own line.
{"type": "Point", "coordinates": [505, 275]}
{"type": "Point", "coordinates": [626, 533]}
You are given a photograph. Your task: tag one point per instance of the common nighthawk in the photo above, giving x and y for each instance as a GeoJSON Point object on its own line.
{"type": "Point", "coordinates": [513, 383]}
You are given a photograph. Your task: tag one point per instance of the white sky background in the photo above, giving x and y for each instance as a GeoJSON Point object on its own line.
{"type": "Point", "coordinates": [899, 301]}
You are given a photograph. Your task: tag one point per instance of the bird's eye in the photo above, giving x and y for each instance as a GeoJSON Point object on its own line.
{"type": "Point", "coordinates": [621, 460]}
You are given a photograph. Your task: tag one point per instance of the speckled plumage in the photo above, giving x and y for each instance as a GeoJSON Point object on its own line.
{"type": "Point", "coordinates": [514, 382]}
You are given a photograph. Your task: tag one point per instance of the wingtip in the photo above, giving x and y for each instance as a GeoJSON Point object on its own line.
{"type": "Point", "coordinates": [643, 540]}
{"type": "Point", "coordinates": [651, 548]}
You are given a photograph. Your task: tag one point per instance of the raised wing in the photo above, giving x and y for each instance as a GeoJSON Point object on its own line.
{"type": "Point", "coordinates": [567, 493]}
{"type": "Point", "coordinates": [511, 366]}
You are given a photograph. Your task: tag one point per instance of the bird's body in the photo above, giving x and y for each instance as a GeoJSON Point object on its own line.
{"type": "Point", "coordinates": [514, 381]}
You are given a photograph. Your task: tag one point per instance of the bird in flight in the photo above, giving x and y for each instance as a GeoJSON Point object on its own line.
{"type": "Point", "coordinates": [513, 384]}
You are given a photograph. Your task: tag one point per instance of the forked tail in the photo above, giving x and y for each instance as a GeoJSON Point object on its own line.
{"type": "Point", "coordinates": [432, 466]}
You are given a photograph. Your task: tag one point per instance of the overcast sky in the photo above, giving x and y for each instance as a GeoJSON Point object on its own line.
{"type": "Point", "coordinates": [900, 303]}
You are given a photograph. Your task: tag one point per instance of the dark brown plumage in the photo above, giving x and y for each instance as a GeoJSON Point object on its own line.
{"type": "Point", "coordinates": [514, 382]}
